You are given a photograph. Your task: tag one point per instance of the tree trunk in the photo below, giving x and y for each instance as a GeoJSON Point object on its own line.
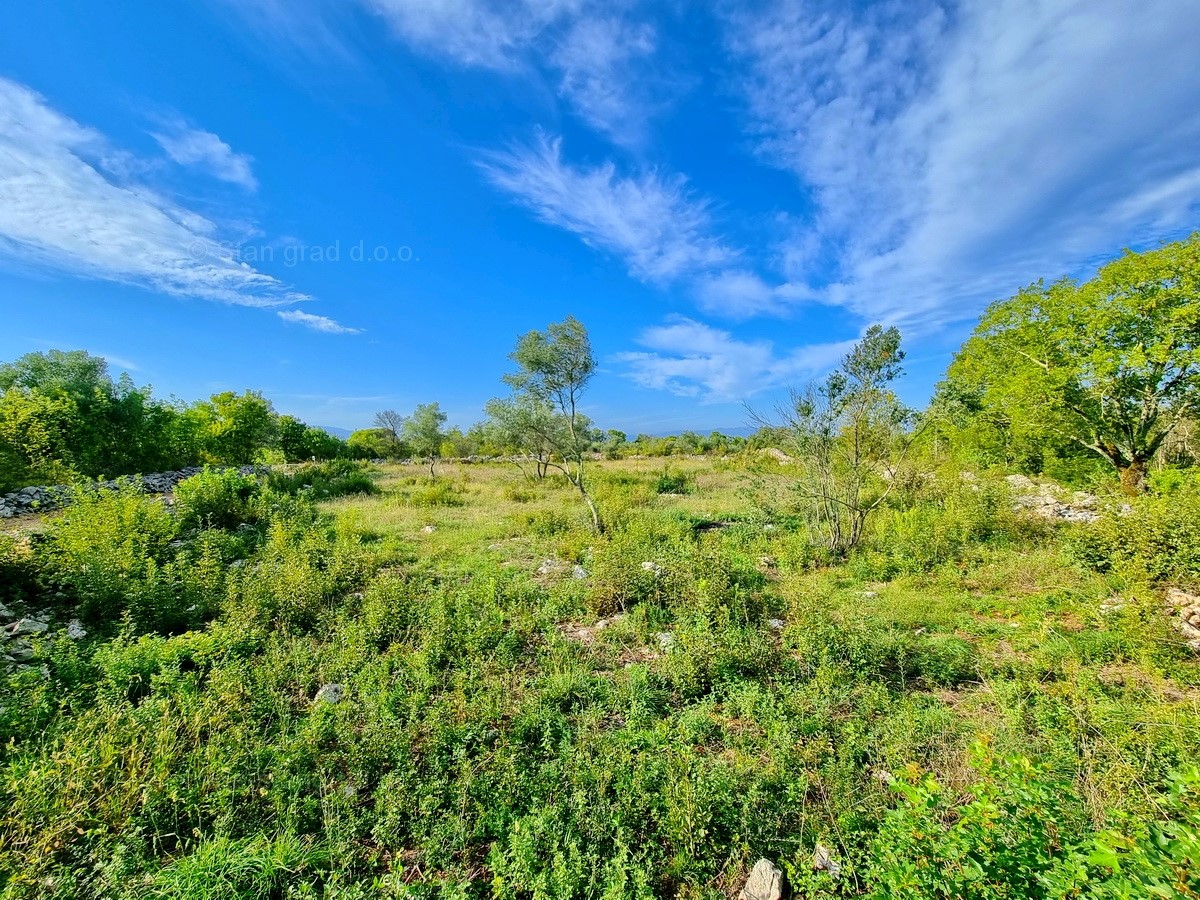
{"type": "Point", "coordinates": [1133, 478]}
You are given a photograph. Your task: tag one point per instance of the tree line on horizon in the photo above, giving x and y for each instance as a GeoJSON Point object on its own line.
{"type": "Point", "coordinates": [1077, 381]}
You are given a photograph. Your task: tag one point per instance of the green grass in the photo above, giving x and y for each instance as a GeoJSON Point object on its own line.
{"type": "Point", "coordinates": [737, 700]}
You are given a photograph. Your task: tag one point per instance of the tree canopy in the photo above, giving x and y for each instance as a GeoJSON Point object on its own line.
{"type": "Point", "coordinates": [1110, 364]}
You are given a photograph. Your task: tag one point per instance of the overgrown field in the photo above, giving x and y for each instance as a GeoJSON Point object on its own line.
{"type": "Point", "coordinates": [975, 703]}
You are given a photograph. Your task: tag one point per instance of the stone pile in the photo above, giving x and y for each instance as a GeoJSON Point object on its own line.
{"type": "Point", "coordinates": [1187, 609]}
{"type": "Point", "coordinates": [1044, 501]}
{"type": "Point", "coordinates": [43, 499]}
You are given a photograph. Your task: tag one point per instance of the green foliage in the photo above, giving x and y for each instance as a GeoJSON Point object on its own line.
{"type": "Point", "coordinates": [848, 433]}
{"type": "Point", "coordinates": [217, 498]}
{"type": "Point", "coordinates": [1019, 831]}
{"type": "Point", "coordinates": [109, 553]}
{"type": "Point", "coordinates": [999, 839]}
{"type": "Point", "coordinates": [229, 427]}
{"type": "Point", "coordinates": [423, 432]}
{"type": "Point", "coordinates": [18, 574]}
{"type": "Point", "coordinates": [1155, 537]}
{"type": "Point", "coordinates": [492, 739]}
{"type": "Point", "coordinates": [1113, 363]}
{"type": "Point", "coordinates": [63, 418]}
{"type": "Point", "coordinates": [543, 417]}
{"type": "Point", "coordinates": [946, 519]}
{"type": "Point", "coordinates": [433, 492]}
{"type": "Point", "coordinates": [324, 481]}
{"type": "Point", "coordinates": [673, 483]}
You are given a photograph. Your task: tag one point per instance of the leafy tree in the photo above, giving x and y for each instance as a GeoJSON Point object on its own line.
{"type": "Point", "coordinates": [300, 442]}
{"type": "Point", "coordinates": [423, 432]}
{"type": "Point", "coordinates": [554, 368]}
{"type": "Point", "coordinates": [1111, 365]}
{"type": "Point", "coordinates": [375, 443]}
{"type": "Point", "coordinates": [528, 428]}
{"type": "Point", "coordinates": [231, 427]}
{"type": "Point", "coordinates": [848, 435]}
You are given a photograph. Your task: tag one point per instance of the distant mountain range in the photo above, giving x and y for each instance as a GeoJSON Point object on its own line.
{"type": "Point", "coordinates": [342, 433]}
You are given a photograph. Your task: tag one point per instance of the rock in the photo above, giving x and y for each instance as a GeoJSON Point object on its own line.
{"type": "Point", "coordinates": [823, 861]}
{"type": "Point", "coordinates": [75, 630]}
{"type": "Point", "coordinates": [27, 626]}
{"type": "Point", "coordinates": [1112, 605]}
{"type": "Point", "coordinates": [768, 562]}
{"type": "Point", "coordinates": [549, 567]}
{"type": "Point", "coordinates": [765, 882]}
{"type": "Point", "coordinates": [652, 567]}
{"type": "Point", "coordinates": [429, 529]}
{"type": "Point", "coordinates": [20, 654]}
{"type": "Point", "coordinates": [776, 624]}
{"type": "Point", "coordinates": [579, 573]}
{"type": "Point", "coordinates": [1186, 608]}
{"type": "Point", "coordinates": [5, 612]}
{"type": "Point", "coordinates": [1020, 482]}
{"type": "Point", "coordinates": [330, 693]}
{"type": "Point", "coordinates": [666, 640]}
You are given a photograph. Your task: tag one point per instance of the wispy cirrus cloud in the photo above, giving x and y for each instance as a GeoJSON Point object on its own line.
{"type": "Point", "coordinates": [63, 209]}
{"type": "Point", "coordinates": [602, 67]}
{"type": "Point", "coordinates": [205, 151]}
{"type": "Point", "coordinates": [323, 324]}
{"type": "Point", "coordinates": [598, 56]}
{"type": "Point", "coordinates": [692, 359]}
{"type": "Point", "coordinates": [654, 223]}
{"type": "Point", "coordinates": [957, 152]}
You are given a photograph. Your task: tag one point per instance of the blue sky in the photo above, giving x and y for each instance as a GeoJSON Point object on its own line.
{"type": "Point", "coordinates": [360, 204]}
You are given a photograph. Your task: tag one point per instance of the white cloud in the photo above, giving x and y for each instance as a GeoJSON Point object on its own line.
{"type": "Point", "coordinates": [598, 58]}
{"type": "Point", "coordinates": [60, 210]}
{"type": "Point", "coordinates": [487, 33]}
{"type": "Point", "coordinates": [691, 359]}
{"type": "Point", "coordinates": [654, 223]}
{"type": "Point", "coordinates": [316, 323]}
{"type": "Point", "coordinates": [743, 294]}
{"type": "Point", "coordinates": [204, 150]}
{"type": "Point", "coordinates": [954, 157]}
{"type": "Point", "coordinates": [598, 61]}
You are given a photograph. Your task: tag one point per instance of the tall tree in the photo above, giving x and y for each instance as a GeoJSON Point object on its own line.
{"type": "Point", "coordinates": [1112, 364]}
{"type": "Point", "coordinates": [423, 431]}
{"type": "Point", "coordinates": [231, 427]}
{"type": "Point", "coordinates": [848, 434]}
{"type": "Point", "coordinates": [554, 368]}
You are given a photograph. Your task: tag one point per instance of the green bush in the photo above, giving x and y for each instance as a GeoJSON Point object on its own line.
{"type": "Point", "coordinates": [673, 483]}
{"type": "Point", "coordinates": [324, 481]}
{"type": "Point", "coordinates": [18, 572]}
{"type": "Point", "coordinates": [945, 518]}
{"type": "Point", "coordinates": [108, 553]}
{"type": "Point", "coordinates": [1020, 832]}
{"type": "Point", "coordinates": [217, 498]}
{"type": "Point", "coordinates": [1154, 538]}
{"type": "Point", "coordinates": [434, 492]}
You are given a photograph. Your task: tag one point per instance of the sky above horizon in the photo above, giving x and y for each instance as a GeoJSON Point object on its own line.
{"type": "Point", "coordinates": [353, 205]}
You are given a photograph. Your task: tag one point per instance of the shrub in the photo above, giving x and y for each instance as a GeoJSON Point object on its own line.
{"type": "Point", "coordinates": [673, 483]}
{"type": "Point", "coordinates": [324, 481]}
{"type": "Point", "coordinates": [217, 498]}
{"type": "Point", "coordinates": [107, 551]}
{"type": "Point", "coordinates": [18, 574]}
{"type": "Point", "coordinates": [1155, 538]}
{"type": "Point", "coordinates": [435, 492]}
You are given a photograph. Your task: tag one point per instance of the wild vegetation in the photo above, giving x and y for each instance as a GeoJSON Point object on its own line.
{"type": "Point", "coordinates": [858, 644]}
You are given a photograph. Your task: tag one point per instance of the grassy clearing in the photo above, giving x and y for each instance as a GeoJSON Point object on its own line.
{"type": "Point", "coordinates": [529, 710]}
